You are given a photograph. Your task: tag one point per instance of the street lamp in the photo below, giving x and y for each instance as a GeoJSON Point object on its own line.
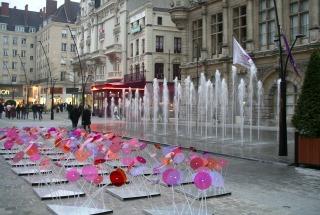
{"type": "Point", "coordinates": [283, 145]}
{"type": "Point", "coordinates": [51, 81]}
{"type": "Point", "coordinates": [83, 81]}
{"type": "Point", "coordinates": [25, 73]}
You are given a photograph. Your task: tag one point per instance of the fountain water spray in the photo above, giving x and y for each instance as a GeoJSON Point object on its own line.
{"type": "Point", "coordinates": [165, 105]}
{"type": "Point", "coordinates": [155, 104]}
{"type": "Point", "coordinates": [177, 99]}
{"type": "Point", "coordinates": [241, 100]}
{"type": "Point", "coordinates": [224, 106]}
{"type": "Point", "coordinates": [260, 100]}
{"type": "Point", "coordinates": [253, 71]}
{"type": "Point", "coordinates": [216, 98]}
{"type": "Point", "coordinates": [234, 76]}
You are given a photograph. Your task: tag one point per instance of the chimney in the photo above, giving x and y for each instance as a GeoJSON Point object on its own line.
{"type": "Point", "coordinates": [4, 9]}
{"type": "Point", "coordinates": [26, 14]}
{"type": "Point", "coordinates": [51, 7]}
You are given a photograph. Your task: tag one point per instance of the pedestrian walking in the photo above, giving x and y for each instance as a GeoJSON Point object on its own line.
{"type": "Point", "coordinates": [40, 111]}
{"type": "Point", "coordinates": [1, 110]}
{"type": "Point", "coordinates": [74, 116]}
{"type": "Point", "coordinates": [18, 111]}
{"type": "Point", "coordinates": [86, 118]}
{"type": "Point", "coordinates": [27, 111]}
{"type": "Point", "coordinates": [34, 111]}
{"type": "Point", "coordinates": [12, 112]}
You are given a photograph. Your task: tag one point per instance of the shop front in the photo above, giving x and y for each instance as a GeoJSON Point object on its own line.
{"type": "Point", "coordinates": [8, 92]}
{"type": "Point", "coordinates": [105, 93]}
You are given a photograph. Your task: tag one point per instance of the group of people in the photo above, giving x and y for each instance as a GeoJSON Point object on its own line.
{"type": "Point", "coordinates": [11, 111]}
{"type": "Point", "coordinates": [74, 113]}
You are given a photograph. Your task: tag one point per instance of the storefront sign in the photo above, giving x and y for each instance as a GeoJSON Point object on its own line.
{"type": "Point", "coordinates": [4, 92]}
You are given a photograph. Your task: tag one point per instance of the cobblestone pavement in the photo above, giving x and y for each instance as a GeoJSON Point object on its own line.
{"type": "Point", "coordinates": [257, 188]}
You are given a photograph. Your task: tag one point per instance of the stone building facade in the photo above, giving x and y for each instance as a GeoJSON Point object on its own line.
{"type": "Point", "coordinates": [57, 44]}
{"type": "Point", "coordinates": [155, 44]}
{"type": "Point", "coordinates": [210, 26]}
{"type": "Point", "coordinates": [17, 57]}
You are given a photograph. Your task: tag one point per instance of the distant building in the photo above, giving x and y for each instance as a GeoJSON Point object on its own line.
{"type": "Point", "coordinates": [210, 25]}
{"type": "Point", "coordinates": [58, 45]}
{"type": "Point", "coordinates": [21, 32]}
{"type": "Point", "coordinates": [126, 43]}
{"type": "Point", "coordinates": [17, 38]}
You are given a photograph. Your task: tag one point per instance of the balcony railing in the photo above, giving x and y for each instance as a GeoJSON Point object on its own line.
{"type": "Point", "coordinates": [136, 77]}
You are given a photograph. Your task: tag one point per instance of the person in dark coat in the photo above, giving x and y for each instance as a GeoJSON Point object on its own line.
{"type": "Point", "coordinates": [34, 111]}
{"type": "Point", "coordinates": [74, 116]}
{"type": "Point", "coordinates": [1, 110]}
{"type": "Point", "coordinates": [69, 109]}
{"type": "Point", "coordinates": [86, 118]}
{"type": "Point", "coordinates": [40, 111]}
{"type": "Point", "coordinates": [18, 111]}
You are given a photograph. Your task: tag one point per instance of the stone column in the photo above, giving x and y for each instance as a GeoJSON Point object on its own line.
{"type": "Point", "coordinates": [314, 20]}
{"type": "Point", "coordinates": [204, 50]}
{"type": "Point", "coordinates": [249, 43]}
{"type": "Point", "coordinates": [225, 50]}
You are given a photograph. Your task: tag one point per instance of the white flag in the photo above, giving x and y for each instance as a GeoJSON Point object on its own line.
{"type": "Point", "coordinates": [240, 56]}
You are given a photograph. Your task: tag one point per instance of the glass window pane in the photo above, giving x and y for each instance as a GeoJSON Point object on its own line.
{"type": "Point", "coordinates": [236, 23]}
{"type": "Point", "coordinates": [263, 4]}
{"type": "Point", "coordinates": [235, 12]}
{"type": "Point", "coordinates": [294, 8]}
{"type": "Point", "coordinates": [304, 5]}
{"type": "Point", "coordinates": [263, 16]}
{"type": "Point", "coordinates": [271, 14]}
{"type": "Point", "coordinates": [243, 10]}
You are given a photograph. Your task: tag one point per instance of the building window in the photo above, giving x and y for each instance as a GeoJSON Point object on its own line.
{"type": "Point", "coordinates": [14, 78]}
{"type": "Point", "coordinates": [31, 57]}
{"type": "Point", "coordinates": [15, 40]}
{"type": "Point", "coordinates": [159, 43]}
{"type": "Point", "coordinates": [177, 45]}
{"type": "Point", "coordinates": [131, 50]}
{"type": "Point", "coordinates": [158, 70]}
{"type": "Point", "coordinates": [73, 33]}
{"type": "Point", "coordinates": [14, 52]}
{"type": "Point", "coordinates": [64, 34]}
{"type": "Point", "coordinates": [63, 76]}
{"type": "Point", "coordinates": [19, 28]}
{"type": "Point", "coordinates": [142, 67]}
{"type": "Point", "coordinates": [14, 65]}
{"type": "Point", "coordinates": [63, 47]}
{"type": "Point", "coordinates": [299, 18]}
{"type": "Point", "coordinates": [23, 53]}
{"type": "Point", "coordinates": [216, 33]}
{"type": "Point", "coordinates": [137, 68]}
{"type": "Point", "coordinates": [5, 52]}
{"type": "Point", "coordinates": [176, 71]}
{"type": "Point", "coordinates": [32, 29]}
{"type": "Point", "coordinates": [5, 65]}
{"type": "Point", "coordinates": [197, 37]}
{"type": "Point", "coordinates": [137, 47]}
{"type": "Point", "coordinates": [72, 48]}
{"type": "Point", "coordinates": [23, 41]}
{"type": "Point", "coordinates": [3, 26]}
{"type": "Point", "coordinates": [143, 46]}
{"type": "Point", "coordinates": [240, 24]}
{"type": "Point", "coordinates": [23, 65]}
{"type": "Point", "coordinates": [31, 45]}
{"type": "Point", "coordinates": [159, 20]}
{"type": "Point", "coordinates": [5, 40]}
{"type": "Point", "coordinates": [266, 22]}
{"type": "Point", "coordinates": [31, 70]}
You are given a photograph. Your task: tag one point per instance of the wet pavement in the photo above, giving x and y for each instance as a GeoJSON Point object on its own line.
{"type": "Point", "coordinates": [258, 188]}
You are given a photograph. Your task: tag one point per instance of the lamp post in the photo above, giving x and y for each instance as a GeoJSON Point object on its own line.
{"type": "Point", "coordinates": [25, 74]}
{"type": "Point", "coordinates": [283, 144]}
{"type": "Point", "coordinates": [11, 81]}
{"type": "Point", "coordinates": [283, 147]}
{"type": "Point", "coordinates": [83, 81]}
{"type": "Point", "coordinates": [51, 81]}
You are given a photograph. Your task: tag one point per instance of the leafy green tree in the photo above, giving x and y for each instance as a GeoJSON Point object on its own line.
{"type": "Point", "coordinates": [306, 118]}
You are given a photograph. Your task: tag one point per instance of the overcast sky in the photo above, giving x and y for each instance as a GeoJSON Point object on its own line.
{"type": "Point", "coordinates": [34, 5]}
